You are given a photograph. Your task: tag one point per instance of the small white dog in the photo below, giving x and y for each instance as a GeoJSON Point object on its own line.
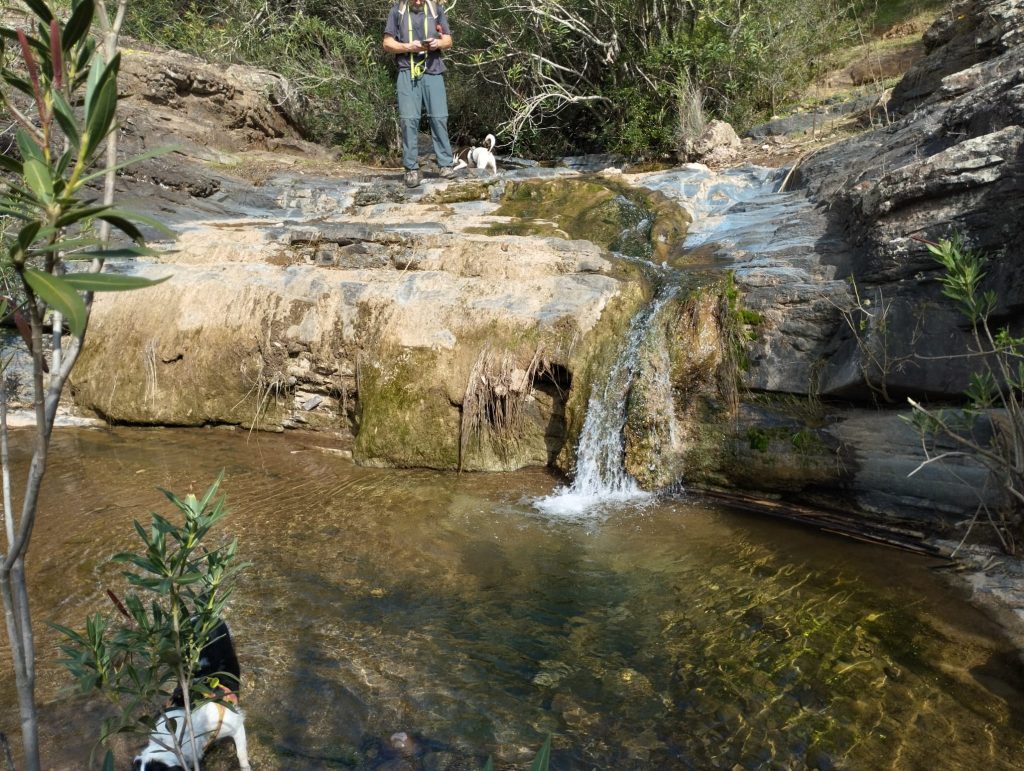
{"type": "Point", "coordinates": [478, 157]}
{"type": "Point", "coordinates": [210, 722]}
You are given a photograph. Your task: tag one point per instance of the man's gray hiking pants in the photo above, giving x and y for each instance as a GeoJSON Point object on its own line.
{"type": "Point", "coordinates": [414, 96]}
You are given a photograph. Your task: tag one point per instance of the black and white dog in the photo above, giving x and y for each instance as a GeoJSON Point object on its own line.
{"type": "Point", "coordinates": [478, 157]}
{"type": "Point", "coordinates": [218, 665]}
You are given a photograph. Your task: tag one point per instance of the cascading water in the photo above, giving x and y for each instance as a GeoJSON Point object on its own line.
{"type": "Point", "coordinates": [601, 476]}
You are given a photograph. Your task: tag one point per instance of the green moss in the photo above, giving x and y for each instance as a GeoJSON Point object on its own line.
{"type": "Point", "coordinates": [460, 193]}
{"type": "Point", "coordinates": [592, 358]}
{"type": "Point", "coordinates": [602, 210]}
{"type": "Point", "coordinates": [577, 209]}
{"type": "Point", "coordinates": [709, 443]}
{"type": "Point", "coordinates": [413, 406]}
{"type": "Point", "coordinates": [749, 317]}
{"type": "Point", "coordinates": [806, 442]}
{"type": "Point", "coordinates": [801, 410]}
{"type": "Point", "coordinates": [759, 439]}
{"type": "Point", "coordinates": [402, 422]}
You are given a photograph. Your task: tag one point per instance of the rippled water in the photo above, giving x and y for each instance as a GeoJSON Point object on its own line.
{"type": "Point", "coordinates": [672, 635]}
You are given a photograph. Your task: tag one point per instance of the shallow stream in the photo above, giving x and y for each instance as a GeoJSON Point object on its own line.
{"type": "Point", "coordinates": [671, 634]}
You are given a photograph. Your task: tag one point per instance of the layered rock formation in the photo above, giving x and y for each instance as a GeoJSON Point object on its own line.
{"type": "Point", "coordinates": [841, 305]}
{"type": "Point", "coordinates": [949, 164]}
{"type": "Point", "coordinates": [383, 329]}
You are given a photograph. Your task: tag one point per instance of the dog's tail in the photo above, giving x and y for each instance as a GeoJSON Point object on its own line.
{"type": "Point", "coordinates": [490, 141]}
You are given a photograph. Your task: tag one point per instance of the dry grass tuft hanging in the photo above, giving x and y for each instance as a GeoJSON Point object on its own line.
{"type": "Point", "coordinates": [492, 408]}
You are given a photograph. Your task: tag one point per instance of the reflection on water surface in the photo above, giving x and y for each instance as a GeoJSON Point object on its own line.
{"type": "Point", "coordinates": [676, 635]}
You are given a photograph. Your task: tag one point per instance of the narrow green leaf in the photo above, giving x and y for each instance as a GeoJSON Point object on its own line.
{"type": "Point", "coordinates": [39, 9]}
{"type": "Point", "coordinates": [60, 296]}
{"type": "Point", "coordinates": [78, 24]}
{"type": "Point", "coordinates": [35, 43]}
{"type": "Point", "coordinates": [65, 117]}
{"type": "Point", "coordinates": [27, 146]}
{"type": "Point", "coordinates": [69, 633]}
{"type": "Point", "coordinates": [16, 213]}
{"type": "Point", "coordinates": [37, 177]}
{"type": "Point", "coordinates": [10, 164]}
{"type": "Point", "coordinates": [108, 761]}
{"type": "Point", "coordinates": [158, 151]}
{"type": "Point", "coordinates": [126, 252]}
{"type": "Point", "coordinates": [212, 491]}
{"type": "Point", "coordinates": [543, 759]}
{"type": "Point", "coordinates": [79, 213]}
{"type": "Point", "coordinates": [125, 227]}
{"type": "Point", "coordinates": [85, 53]}
{"type": "Point", "coordinates": [66, 245]}
{"type": "Point", "coordinates": [92, 87]}
{"type": "Point", "coordinates": [18, 83]}
{"type": "Point", "coordinates": [109, 282]}
{"type": "Point", "coordinates": [145, 220]}
{"type": "Point", "coordinates": [489, 765]}
{"type": "Point", "coordinates": [101, 118]}
{"type": "Point", "coordinates": [62, 166]}
{"type": "Point", "coordinates": [28, 234]}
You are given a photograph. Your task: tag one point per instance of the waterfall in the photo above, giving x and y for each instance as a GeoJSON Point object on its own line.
{"type": "Point", "coordinates": [734, 213]}
{"type": "Point", "coordinates": [601, 476]}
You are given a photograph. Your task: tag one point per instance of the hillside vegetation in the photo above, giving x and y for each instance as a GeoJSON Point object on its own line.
{"type": "Point", "coordinates": [550, 78]}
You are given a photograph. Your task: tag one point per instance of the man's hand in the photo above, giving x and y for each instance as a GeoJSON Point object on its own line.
{"type": "Point", "coordinates": [416, 46]}
{"type": "Point", "coordinates": [440, 43]}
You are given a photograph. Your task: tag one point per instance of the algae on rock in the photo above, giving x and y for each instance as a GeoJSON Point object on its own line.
{"type": "Point", "coordinates": [603, 210]}
{"type": "Point", "coordinates": [679, 373]}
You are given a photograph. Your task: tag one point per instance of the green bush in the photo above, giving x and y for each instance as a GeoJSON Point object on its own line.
{"type": "Point", "coordinates": [181, 588]}
{"type": "Point", "coordinates": [583, 76]}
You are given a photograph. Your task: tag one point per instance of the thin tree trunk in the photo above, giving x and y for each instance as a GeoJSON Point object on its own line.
{"type": "Point", "coordinates": [12, 572]}
{"type": "Point", "coordinates": [13, 585]}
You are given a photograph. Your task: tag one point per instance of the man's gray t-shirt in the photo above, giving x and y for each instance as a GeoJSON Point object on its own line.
{"type": "Point", "coordinates": [398, 28]}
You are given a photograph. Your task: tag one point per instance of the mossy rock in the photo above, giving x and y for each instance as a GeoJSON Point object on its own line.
{"type": "Point", "coordinates": [460, 192]}
{"type": "Point", "coordinates": [197, 377]}
{"type": "Point", "coordinates": [404, 419]}
{"type": "Point", "coordinates": [604, 211]}
{"type": "Point", "coordinates": [593, 356]}
{"type": "Point", "coordinates": [413, 410]}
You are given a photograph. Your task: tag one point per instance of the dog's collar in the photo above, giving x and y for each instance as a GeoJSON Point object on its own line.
{"type": "Point", "coordinates": [220, 692]}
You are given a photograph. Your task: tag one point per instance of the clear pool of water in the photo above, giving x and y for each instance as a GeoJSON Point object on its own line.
{"type": "Point", "coordinates": [662, 635]}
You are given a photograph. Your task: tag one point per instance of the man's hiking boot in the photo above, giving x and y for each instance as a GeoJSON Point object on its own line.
{"type": "Point", "coordinates": [412, 178]}
{"type": "Point", "coordinates": [446, 172]}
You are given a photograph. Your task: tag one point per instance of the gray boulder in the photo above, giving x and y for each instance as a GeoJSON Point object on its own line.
{"type": "Point", "coordinates": [950, 165]}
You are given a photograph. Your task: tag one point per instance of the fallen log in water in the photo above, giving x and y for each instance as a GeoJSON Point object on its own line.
{"type": "Point", "coordinates": [835, 522]}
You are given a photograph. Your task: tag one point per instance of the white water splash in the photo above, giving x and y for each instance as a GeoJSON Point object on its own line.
{"type": "Point", "coordinates": [601, 476]}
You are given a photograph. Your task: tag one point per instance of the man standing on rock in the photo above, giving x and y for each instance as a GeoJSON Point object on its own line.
{"type": "Point", "coordinates": [416, 33]}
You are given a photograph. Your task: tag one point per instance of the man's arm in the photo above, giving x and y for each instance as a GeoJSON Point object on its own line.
{"type": "Point", "coordinates": [392, 46]}
{"type": "Point", "coordinates": [443, 40]}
